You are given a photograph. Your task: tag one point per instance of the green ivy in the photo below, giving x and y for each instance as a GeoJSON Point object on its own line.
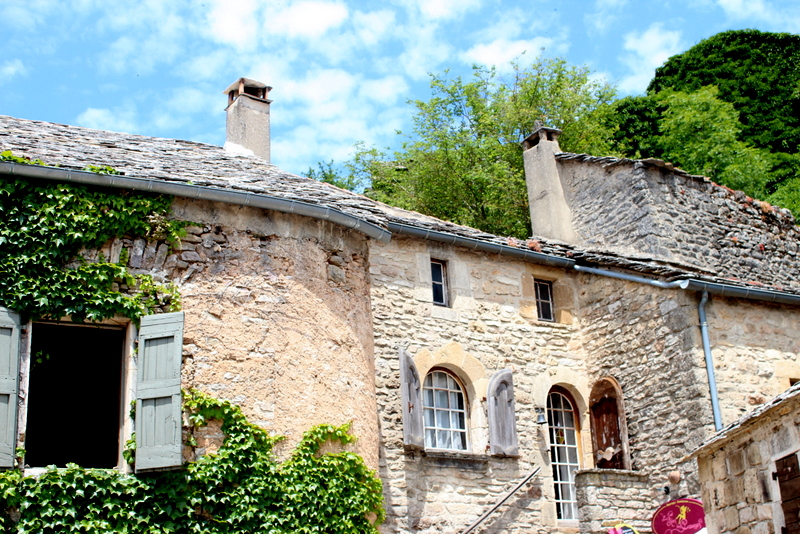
{"type": "Point", "coordinates": [240, 489]}
{"type": "Point", "coordinates": [45, 226]}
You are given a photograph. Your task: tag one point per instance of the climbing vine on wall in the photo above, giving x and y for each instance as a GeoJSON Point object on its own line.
{"type": "Point", "coordinates": [45, 226]}
{"type": "Point", "coordinates": [240, 489]}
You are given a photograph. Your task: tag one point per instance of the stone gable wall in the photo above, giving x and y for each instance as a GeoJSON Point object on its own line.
{"type": "Point", "coordinates": [649, 211]}
{"type": "Point", "coordinates": [277, 316]}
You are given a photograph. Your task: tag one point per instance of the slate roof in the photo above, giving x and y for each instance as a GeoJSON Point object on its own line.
{"type": "Point", "coordinates": [210, 166]}
{"type": "Point", "coordinates": [735, 428]}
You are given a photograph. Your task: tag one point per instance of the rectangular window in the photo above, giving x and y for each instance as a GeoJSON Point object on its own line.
{"type": "Point", "coordinates": [544, 300]}
{"type": "Point", "coordinates": [439, 282]}
{"type": "Point", "coordinates": [82, 364]}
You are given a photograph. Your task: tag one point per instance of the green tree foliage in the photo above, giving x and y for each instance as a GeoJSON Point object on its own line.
{"type": "Point", "coordinates": [463, 162]}
{"type": "Point", "coordinates": [240, 489]}
{"type": "Point", "coordinates": [757, 72]}
{"type": "Point", "coordinates": [702, 135]}
{"type": "Point", "coordinates": [327, 173]}
{"type": "Point", "coordinates": [757, 76]}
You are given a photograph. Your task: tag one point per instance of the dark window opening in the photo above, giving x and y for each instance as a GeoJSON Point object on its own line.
{"type": "Point", "coordinates": [544, 300]}
{"type": "Point", "coordinates": [787, 474]}
{"type": "Point", "coordinates": [439, 282]}
{"type": "Point", "coordinates": [75, 396]}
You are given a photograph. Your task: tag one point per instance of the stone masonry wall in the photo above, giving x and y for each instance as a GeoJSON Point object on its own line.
{"type": "Point", "coordinates": [609, 497]}
{"type": "Point", "coordinates": [642, 210]}
{"type": "Point", "coordinates": [277, 316]}
{"type": "Point", "coordinates": [755, 350]}
{"type": "Point", "coordinates": [738, 491]}
{"type": "Point", "coordinates": [491, 325]}
{"type": "Point", "coordinates": [648, 339]}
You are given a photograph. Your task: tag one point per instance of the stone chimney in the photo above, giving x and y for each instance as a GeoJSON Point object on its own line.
{"type": "Point", "coordinates": [247, 123]}
{"type": "Point", "coordinates": [550, 213]}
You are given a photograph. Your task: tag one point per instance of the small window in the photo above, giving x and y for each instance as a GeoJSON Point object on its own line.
{"type": "Point", "coordinates": [439, 282]}
{"type": "Point", "coordinates": [544, 300]}
{"type": "Point", "coordinates": [445, 412]}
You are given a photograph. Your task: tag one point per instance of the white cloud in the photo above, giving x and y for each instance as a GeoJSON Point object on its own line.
{"type": "Point", "coordinates": [371, 28]}
{"type": "Point", "coordinates": [116, 120]}
{"type": "Point", "coordinates": [501, 51]}
{"type": "Point", "coordinates": [384, 91]}
{"type": "Point", "coordinates": [442, 9]}
{"type": "Point", "coordinates": [10, 69]}
{"type": "Point", "coordinates": [605, 14]}
{"type": "Point", "coordinates": [423, 51]}
{"type": "Point", "coordinates": [745, 9]}
{"type": "Point", "coordinates": [308, 18]}
{"type": "Point", "coordinates": [784, 19]}
{"type": "Point", "coordinates": [647, 51]}
{"type": "Point", "coordinates": [234, 23]}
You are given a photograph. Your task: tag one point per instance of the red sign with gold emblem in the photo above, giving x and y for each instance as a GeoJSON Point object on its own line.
{"type": "Point", "coordinates": [681, 516]}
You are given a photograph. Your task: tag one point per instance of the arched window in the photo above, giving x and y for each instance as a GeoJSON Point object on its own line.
{"type": "Point", "coordinates": [445, 412]}
{"type": "Point", "coordinates": [562, 420]}
{"type": "Point", "coordinates": [609, 431]}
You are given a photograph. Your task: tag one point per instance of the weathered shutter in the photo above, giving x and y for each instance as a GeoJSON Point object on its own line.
{"type": "Point", "coordinates": [413, 435]}
{"type": "Point", "coordinates": [158, 392]}
{"type": "Point", "coordinates": [9, 380]}
{"type": "Point", "coordinates": [502, 419]}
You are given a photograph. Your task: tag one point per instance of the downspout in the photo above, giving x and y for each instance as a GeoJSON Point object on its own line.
{"type": "Point", "coordinates": [701, 311]}
{"type": "Point", "coordinates": [712, 381]}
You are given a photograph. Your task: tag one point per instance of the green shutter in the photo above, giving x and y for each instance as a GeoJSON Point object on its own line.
{"type": "Point", "coordinates": [158, 392]}
{"type": "Point", "coordinates": [9, 380]}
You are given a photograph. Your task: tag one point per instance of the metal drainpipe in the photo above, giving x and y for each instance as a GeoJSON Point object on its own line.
{"type": "Point", "coordinates": [701, 310]}
{"type": "Point", "coordinates": [712, 381]}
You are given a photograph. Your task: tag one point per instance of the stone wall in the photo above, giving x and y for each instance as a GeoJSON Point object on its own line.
{"type": "Point", "coordinates": [646, 338]}
{"type": "Point", "coordinates": [277, 316]}
{"type": "Point", "coordinates": [738, 491]}
{"type": "Point", "coordinates": [609, 497]}
{"type": "Point", "coordinates": [490, 326]}
{"type": "Point", "coordinates": [644, 210]}
{"type": "Point", "coordinates": [755, 350]}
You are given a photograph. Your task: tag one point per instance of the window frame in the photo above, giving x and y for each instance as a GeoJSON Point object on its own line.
{"type": "Point", "coordinates": [571, 466]}
{"type": "Point", "coordinates": [464, 430]}
{"type": "Point", "coordinates": [550, 301]}
{"type": "Point", "coordinates": [443, 283]}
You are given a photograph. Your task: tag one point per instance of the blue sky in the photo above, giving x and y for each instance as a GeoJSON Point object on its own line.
{"type": "Point", "coordinates": [341, 71]}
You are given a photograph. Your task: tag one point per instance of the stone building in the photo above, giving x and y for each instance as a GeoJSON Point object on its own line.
{"type": "Point", "coordinates": [650, 307]}
{"type": "Point", "coordinates": [748, 471]}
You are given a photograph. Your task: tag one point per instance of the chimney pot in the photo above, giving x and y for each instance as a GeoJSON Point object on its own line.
{"type": "Point", "coordinates": [541, 133]}
{"type": "Point", "coordinates": [247, 122]}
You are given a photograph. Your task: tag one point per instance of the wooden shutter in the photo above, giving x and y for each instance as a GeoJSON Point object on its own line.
{"type": "Point", "coordinates": [158, 392]}
{"type": "Point", "coordinates": [606, 436]}
{"type": "Point", "coordinates": [787, 474]}
{"type": "Point", "coordinates": [413, 435]}
{"type": "Point", "coordinates": [502, 419]}
{"type": "Point", "coordinates": [9, 380]}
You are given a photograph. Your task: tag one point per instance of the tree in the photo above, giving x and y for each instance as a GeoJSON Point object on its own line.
{"type": "Point", "coordinates": [702, 134]}
{"type": "Point", "coordinates": [758, 75]}
{"type": "Point", "coordinates": [463, 162]}
{"type": "Point", "coordinates": [757, 72]}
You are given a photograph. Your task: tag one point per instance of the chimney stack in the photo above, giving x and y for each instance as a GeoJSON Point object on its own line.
{"type": "Point", "coordinates": [550, 213]}
{"type": "Point", "coordinates": [247, 122]}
